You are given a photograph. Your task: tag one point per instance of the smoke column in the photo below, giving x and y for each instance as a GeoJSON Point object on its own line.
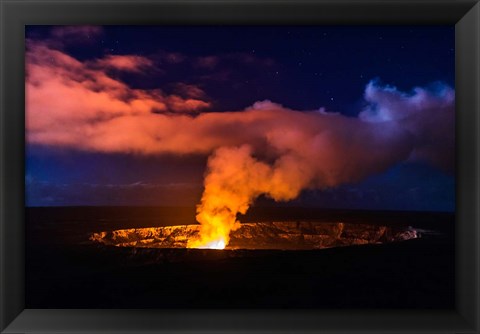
{"type": "Point", "coordinates": [320, 150]}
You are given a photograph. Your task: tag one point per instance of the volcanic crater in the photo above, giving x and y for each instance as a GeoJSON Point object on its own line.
{"type": "Point", "coordinates": [263, 235]}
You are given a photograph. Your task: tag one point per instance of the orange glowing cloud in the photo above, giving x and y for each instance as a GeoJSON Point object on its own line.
{"type": "Point", "coordinates": [62, 91]}
{"type": "Point", "coordinates": [71, 104]}
{"type": "Point", "coordinates": [188, 90]}
{"type": "Point", "coordinates": [124, 63]}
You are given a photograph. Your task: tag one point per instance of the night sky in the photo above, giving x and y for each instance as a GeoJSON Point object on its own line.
{"type": "Point", "coordinates": [80, 79]}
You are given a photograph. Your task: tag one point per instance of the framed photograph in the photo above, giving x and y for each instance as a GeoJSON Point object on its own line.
{"type": "Point", "coordinates": [255, 166]}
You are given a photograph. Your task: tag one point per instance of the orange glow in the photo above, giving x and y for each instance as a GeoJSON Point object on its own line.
{"type": "Point", "coordinates": [218, 244]}
{"type": "Point", "coordinates": [233, 181]}
{"type": "Point", "coordinates": [214, 229]}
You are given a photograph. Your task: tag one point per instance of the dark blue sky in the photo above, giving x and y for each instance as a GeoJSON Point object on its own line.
{"type": "Point", "coordinates": [302, 68]}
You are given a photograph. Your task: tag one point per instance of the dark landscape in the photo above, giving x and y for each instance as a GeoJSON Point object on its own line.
{"type": "Point", "coordinates": [64, 269]}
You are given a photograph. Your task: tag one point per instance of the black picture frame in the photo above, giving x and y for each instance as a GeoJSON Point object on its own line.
{"type": "Point", "coordinates": [15, 14]}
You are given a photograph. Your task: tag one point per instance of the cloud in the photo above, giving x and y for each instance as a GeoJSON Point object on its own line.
{"type": "Point", "coordinates": [178, 104]}
{"type": "Point", "coordinates": [129, 63]}
{"type": "Point", "coordinates": [72, 105]}
{"type": "Point", "coordinates": [81, 95]}
{"type": "Point", "coordinates": [188, 90]}
{"type": "Point", "coordinates": [428, 114]}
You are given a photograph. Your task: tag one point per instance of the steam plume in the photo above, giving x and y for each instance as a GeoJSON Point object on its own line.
{"type": "Point", "coordinates": [324, 150]}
